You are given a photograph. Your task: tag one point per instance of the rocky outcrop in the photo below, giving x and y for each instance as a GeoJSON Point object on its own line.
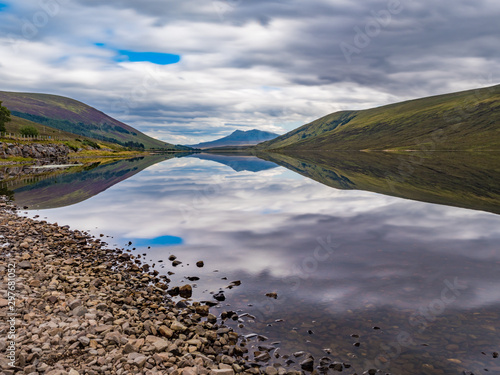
{"type": "Point", "coordinates": [34, 151]}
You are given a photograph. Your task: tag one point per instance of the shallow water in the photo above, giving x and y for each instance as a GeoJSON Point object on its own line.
{"type": "Point", "coordinates": [341, 261]}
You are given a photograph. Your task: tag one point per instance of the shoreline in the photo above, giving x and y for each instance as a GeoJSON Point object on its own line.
{"type": "Point", "coordinates": [71, 306]}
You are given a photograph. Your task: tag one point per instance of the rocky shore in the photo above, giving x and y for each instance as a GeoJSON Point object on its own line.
{"type": "Point", "coordinates": [34, 151]}
{"type": "Point", "coordinates": [68, 305]}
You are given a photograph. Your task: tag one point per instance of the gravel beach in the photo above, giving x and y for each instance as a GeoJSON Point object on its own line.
{"type": "Point", "coordinates": [69, 305]}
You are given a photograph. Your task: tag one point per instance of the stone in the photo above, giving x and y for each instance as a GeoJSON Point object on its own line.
{"type": "Point", "coordinates": [140, 360]}
{"type": "Point", "coordinates": [337, 366]}
{"type": "Point", "coordinates": [75, 303]}
{"type": "Point", "coordinates": [220, 296]}
{"type": "Point", "coordinates": [52, 299]}
{"type": "Point", "coordinates": [307, 364]}
{"type": "Point", "coordinates": [165, 331]}
{"type": "Point", "coordinates": [160, 345]}
{"type": "Point", "coordinates": [203, 310]}
{"type": "Point", "coordinates": [129, 348]}
{"type": "Point", "coordinates": [3, 302]}
{"type": "Point", "coordinates": [176, 326]}
{"type": "Point", "coordinates": [200, 264]}
{"type": "Point", "coordinates": [79, 311]}
{"type": "Point", "coordinates": [264, 357]}
{"type": "Point", "coordinates": [189, 371]}
{"type": "Point", "coordinates": [116, 338]}
{"type": "Point", "coordinates": [186, 291]}
{"type": "Point", "coordinates": [85, 341]}
{"type": "Point", "coordinates": [221, 372]}
{"type": "Point", "coordinates": [24, 265]}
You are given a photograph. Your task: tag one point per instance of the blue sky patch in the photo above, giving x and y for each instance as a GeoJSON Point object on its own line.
{"type": "Point", "coordinates": [152, 57]}
{"type": "Point", "coordinates": [3, 6]}
{"type": "Point", "coordinates": [158, 58]}
{"type": "Point", "coordinates": [158, 241]}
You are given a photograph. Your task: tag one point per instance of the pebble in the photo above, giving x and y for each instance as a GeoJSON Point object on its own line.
{"type": "Point", "coordinates": [88, 309]}
{"type": "Point", "coordinates": [307, 364]}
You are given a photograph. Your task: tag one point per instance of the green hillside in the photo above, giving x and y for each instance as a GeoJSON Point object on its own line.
{"type": "Point", "coordinates": [16, 123]}
{"type": "Point", "coordinates": [468, 121]}
{"type": "Point", "coordinates": [71, 116]}
{"type": "Point", "coordinates": [460, 179]}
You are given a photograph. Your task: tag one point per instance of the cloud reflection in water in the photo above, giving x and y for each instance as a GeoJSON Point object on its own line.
{"type": "Point", "coordinates": [270, 229]}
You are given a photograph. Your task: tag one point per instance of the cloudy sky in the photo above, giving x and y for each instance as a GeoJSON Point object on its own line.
{"type": "Point", "coordinates": [189, 71]}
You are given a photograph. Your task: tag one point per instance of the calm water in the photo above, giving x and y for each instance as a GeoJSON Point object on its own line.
{"type": "Point", "coordinates": [341, 261]}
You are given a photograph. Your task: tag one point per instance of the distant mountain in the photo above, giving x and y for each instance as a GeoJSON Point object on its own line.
{"type": "Point", "coordinates": [239, 138]}
{"type": "Point", "coordinates": [465, 121]}
{"type": "Point", "coordinates": [74, 117]}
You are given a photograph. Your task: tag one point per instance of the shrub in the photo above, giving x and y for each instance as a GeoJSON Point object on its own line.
{"type": "Point", "coordinates": [90, 143]}
{"type": "Point", "coordinates": [29, 131]}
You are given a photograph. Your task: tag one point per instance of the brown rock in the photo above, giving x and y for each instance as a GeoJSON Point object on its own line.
{"type": "Point", "coordinates": [165, 331]}
{"type": "Point", "coordinates": [186, 291]}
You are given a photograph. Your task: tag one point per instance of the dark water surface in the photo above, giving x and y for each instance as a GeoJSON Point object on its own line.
{"type": "Point", "coordinates": [342, 262]}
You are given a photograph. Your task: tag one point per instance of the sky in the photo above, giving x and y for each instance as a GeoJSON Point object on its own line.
{"type": "Point", "coordinates": [192, 71]}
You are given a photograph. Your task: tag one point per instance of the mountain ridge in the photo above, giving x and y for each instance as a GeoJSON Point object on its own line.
{"type": "Point", "coordinates": [70, 115]}
{"type": "Point", "coordinates": [467, 120]}
{"type": "Point", "coordinates": [238, 138]}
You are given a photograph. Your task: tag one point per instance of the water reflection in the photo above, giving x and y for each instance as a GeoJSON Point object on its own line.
{"type": "Point", "coordinates": [461, 179]}
{"type": "Point", "coordinates": [237, 161]}
{"type": "Point", "coordinates": [340, 261]}
{"type": "Point", "coordinates": [42, 189]}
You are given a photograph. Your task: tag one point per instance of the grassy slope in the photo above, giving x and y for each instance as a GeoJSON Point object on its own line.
{"type": "Point", "coordinates": [18, 122]}
{"type": "Point", "coordinates": [468, 120]}
{"type": "Point", "coordinates": [468, 180]}
{"type": "Point", "coordinates": [65, 109]}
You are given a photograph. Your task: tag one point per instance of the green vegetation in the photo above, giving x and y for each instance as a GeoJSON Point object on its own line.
{"type": "Point", "coordinates": [29, 131]}
{"type": "Point", "coordinates": [87, 130]}
{"type": "Point", "coordinates": [88, 142]}
{"type": "Point", "coordinates": [68, 116]}
{"type": "Point", "coordinates": [4, 117]}
{"type": "Point", "coordinates": [466, 121]}
{"type": "Point", "coordinates": [69, 186]}
{"type": "Point", "coordinates": [16, 159]}
{"type": "Point", "coordinates": [461, 179]}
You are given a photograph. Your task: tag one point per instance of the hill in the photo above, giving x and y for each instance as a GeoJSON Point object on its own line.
{"type": "Point", "coordinates": [76, 184]}
{"type": "Point", "coordinates": [466, 121]}
{"type": "Point", "coordinates": [460, 179]}
{"type": "Point", "coordinates": [74, 117]}
{"type": "Point", "coordinates": [238, 138]}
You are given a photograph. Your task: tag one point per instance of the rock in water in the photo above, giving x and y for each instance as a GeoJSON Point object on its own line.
{"type": "Point", "coordinates": [220, 296]}
{"type": "Point", "coordinates": [186, 291]}
{"type": "Point", "coordinates": [307, 364]}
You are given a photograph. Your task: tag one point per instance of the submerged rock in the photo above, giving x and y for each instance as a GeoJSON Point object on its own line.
{"type": "Point", "coordinates": [220, 296]}
{"type": "Point", "coordinates": [307, 364]}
